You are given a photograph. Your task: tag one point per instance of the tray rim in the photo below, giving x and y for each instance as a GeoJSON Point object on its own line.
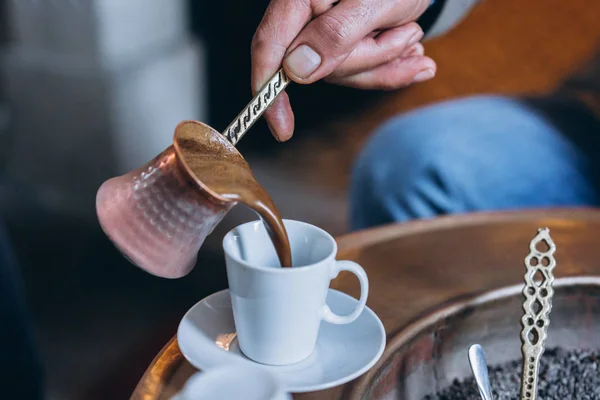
{"type": "Point", "coordinates": [399, 337]}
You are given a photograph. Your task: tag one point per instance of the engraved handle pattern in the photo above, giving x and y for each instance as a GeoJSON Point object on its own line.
{"type": "Point", "coordinates": [538, 294]}
{"type": "Point", "coordinates": [257, 106]}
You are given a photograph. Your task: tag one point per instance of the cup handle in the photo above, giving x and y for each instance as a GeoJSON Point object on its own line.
{"type": "Point", "coordinates": [360, 273]}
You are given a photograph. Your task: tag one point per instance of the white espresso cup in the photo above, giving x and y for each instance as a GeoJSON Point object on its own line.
{"type": "Point", "coordinates": [278, 311]}
{"type": "Point", "coordinates": [234, 382]}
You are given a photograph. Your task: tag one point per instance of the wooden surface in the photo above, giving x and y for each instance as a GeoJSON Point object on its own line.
{"type": "Point", "coordinates": [416, 266]}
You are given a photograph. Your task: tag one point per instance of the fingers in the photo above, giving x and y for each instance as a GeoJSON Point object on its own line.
{"type": "Point", "coordinates": [327, 40]}
{"type": "Point", "coordinates": [415, 50]}
{"type": "Point", "coordinates": [280, 118]}
{"type": "Point", "coordinates": [330, 38]}
{"type": "Point", "coordinates": [372, 52]}
{"type": "Point", "coordinates": [398, 73]}
{"type": "Point", "coordinates": [282, 22]}
{"type": "Point", "coordinates": [403, 12]}
{"type": "Point", "coordinates": [321, 6]}
{"type": "Point", "coordinates": [311, 50]}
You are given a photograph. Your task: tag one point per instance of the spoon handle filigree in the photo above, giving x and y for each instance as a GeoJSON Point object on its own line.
{"type": "Point", "coordinates": [257, 106]}
{"type": "Point", "coordinates": [538, 294]}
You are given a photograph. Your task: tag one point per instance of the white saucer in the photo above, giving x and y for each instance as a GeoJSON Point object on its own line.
{"type": "Point", "coordinates": [206, 338]}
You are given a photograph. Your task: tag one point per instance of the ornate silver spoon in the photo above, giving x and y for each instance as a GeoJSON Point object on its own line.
{"type": "Point", "coordinates": [538, 294]}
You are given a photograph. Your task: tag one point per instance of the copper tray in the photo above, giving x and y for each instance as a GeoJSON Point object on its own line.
{"type": "Point", "coordinates": [417, 266]}
{"type": "Point", "coordinates": [430, 353]}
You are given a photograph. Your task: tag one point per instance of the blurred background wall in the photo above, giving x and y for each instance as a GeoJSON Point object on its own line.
{"type": "Point", "coordinates": [3, 108]}
{"type": "Point", "coordinates": [95, 88]}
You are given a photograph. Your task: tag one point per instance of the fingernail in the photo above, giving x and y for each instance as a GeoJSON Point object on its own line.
{"type": "Point", "coordinates": [424, 75]}
{"type": "Point", "coordinates": [303, 61]}
{"type": "Point", "coordinates": [273, 132]}
{"type": "Point", "coordinates": [416, 49]}
{"type": "Point", "coordinates": [415, 38]}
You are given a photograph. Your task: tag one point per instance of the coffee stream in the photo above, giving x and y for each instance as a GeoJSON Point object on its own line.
{"type": "Point", "coordinates": [221, 169]}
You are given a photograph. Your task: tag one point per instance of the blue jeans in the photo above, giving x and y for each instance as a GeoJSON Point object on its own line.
{"type": "Point", "coordinates": [482, 153]}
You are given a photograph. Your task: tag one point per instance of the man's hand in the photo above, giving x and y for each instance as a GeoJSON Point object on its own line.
{"type": "Point", "coordinates": [367, 44]}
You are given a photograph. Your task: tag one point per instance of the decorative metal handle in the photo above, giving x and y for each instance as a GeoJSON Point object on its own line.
{"type": "Point", "coordinates": [257, 106]}
{"type": "Point", "coordinates": [537, 307]}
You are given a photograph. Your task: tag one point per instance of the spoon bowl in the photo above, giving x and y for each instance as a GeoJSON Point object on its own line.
{"type": "Point", "coordinates": [480, 371]}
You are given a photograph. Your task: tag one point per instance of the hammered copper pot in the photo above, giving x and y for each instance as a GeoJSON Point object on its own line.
{"type": "Point", "coordinates": [428, 355]}
{"type": "Point", "coordinates": [159, 215]}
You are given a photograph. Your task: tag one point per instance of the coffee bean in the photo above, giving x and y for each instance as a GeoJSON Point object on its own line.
{"type": "Point", "coordinates": [563, 374]}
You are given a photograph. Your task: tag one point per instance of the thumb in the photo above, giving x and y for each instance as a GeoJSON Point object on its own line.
{"type": "Point", "coordinates": [327, 40]}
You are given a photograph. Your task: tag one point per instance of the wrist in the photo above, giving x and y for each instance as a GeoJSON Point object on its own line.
{"type": "Point", "coordinates": [429, 18]}
{"type": "Point", "coordinates": [443, 15]}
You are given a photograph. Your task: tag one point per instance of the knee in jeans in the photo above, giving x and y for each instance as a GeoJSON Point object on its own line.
{"type": "Point", "coordinates": [396, 156]}
{"type": "Point", "coordinates": [415, 145]}
{"type": "Point", "coordinates": [389, 174]}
